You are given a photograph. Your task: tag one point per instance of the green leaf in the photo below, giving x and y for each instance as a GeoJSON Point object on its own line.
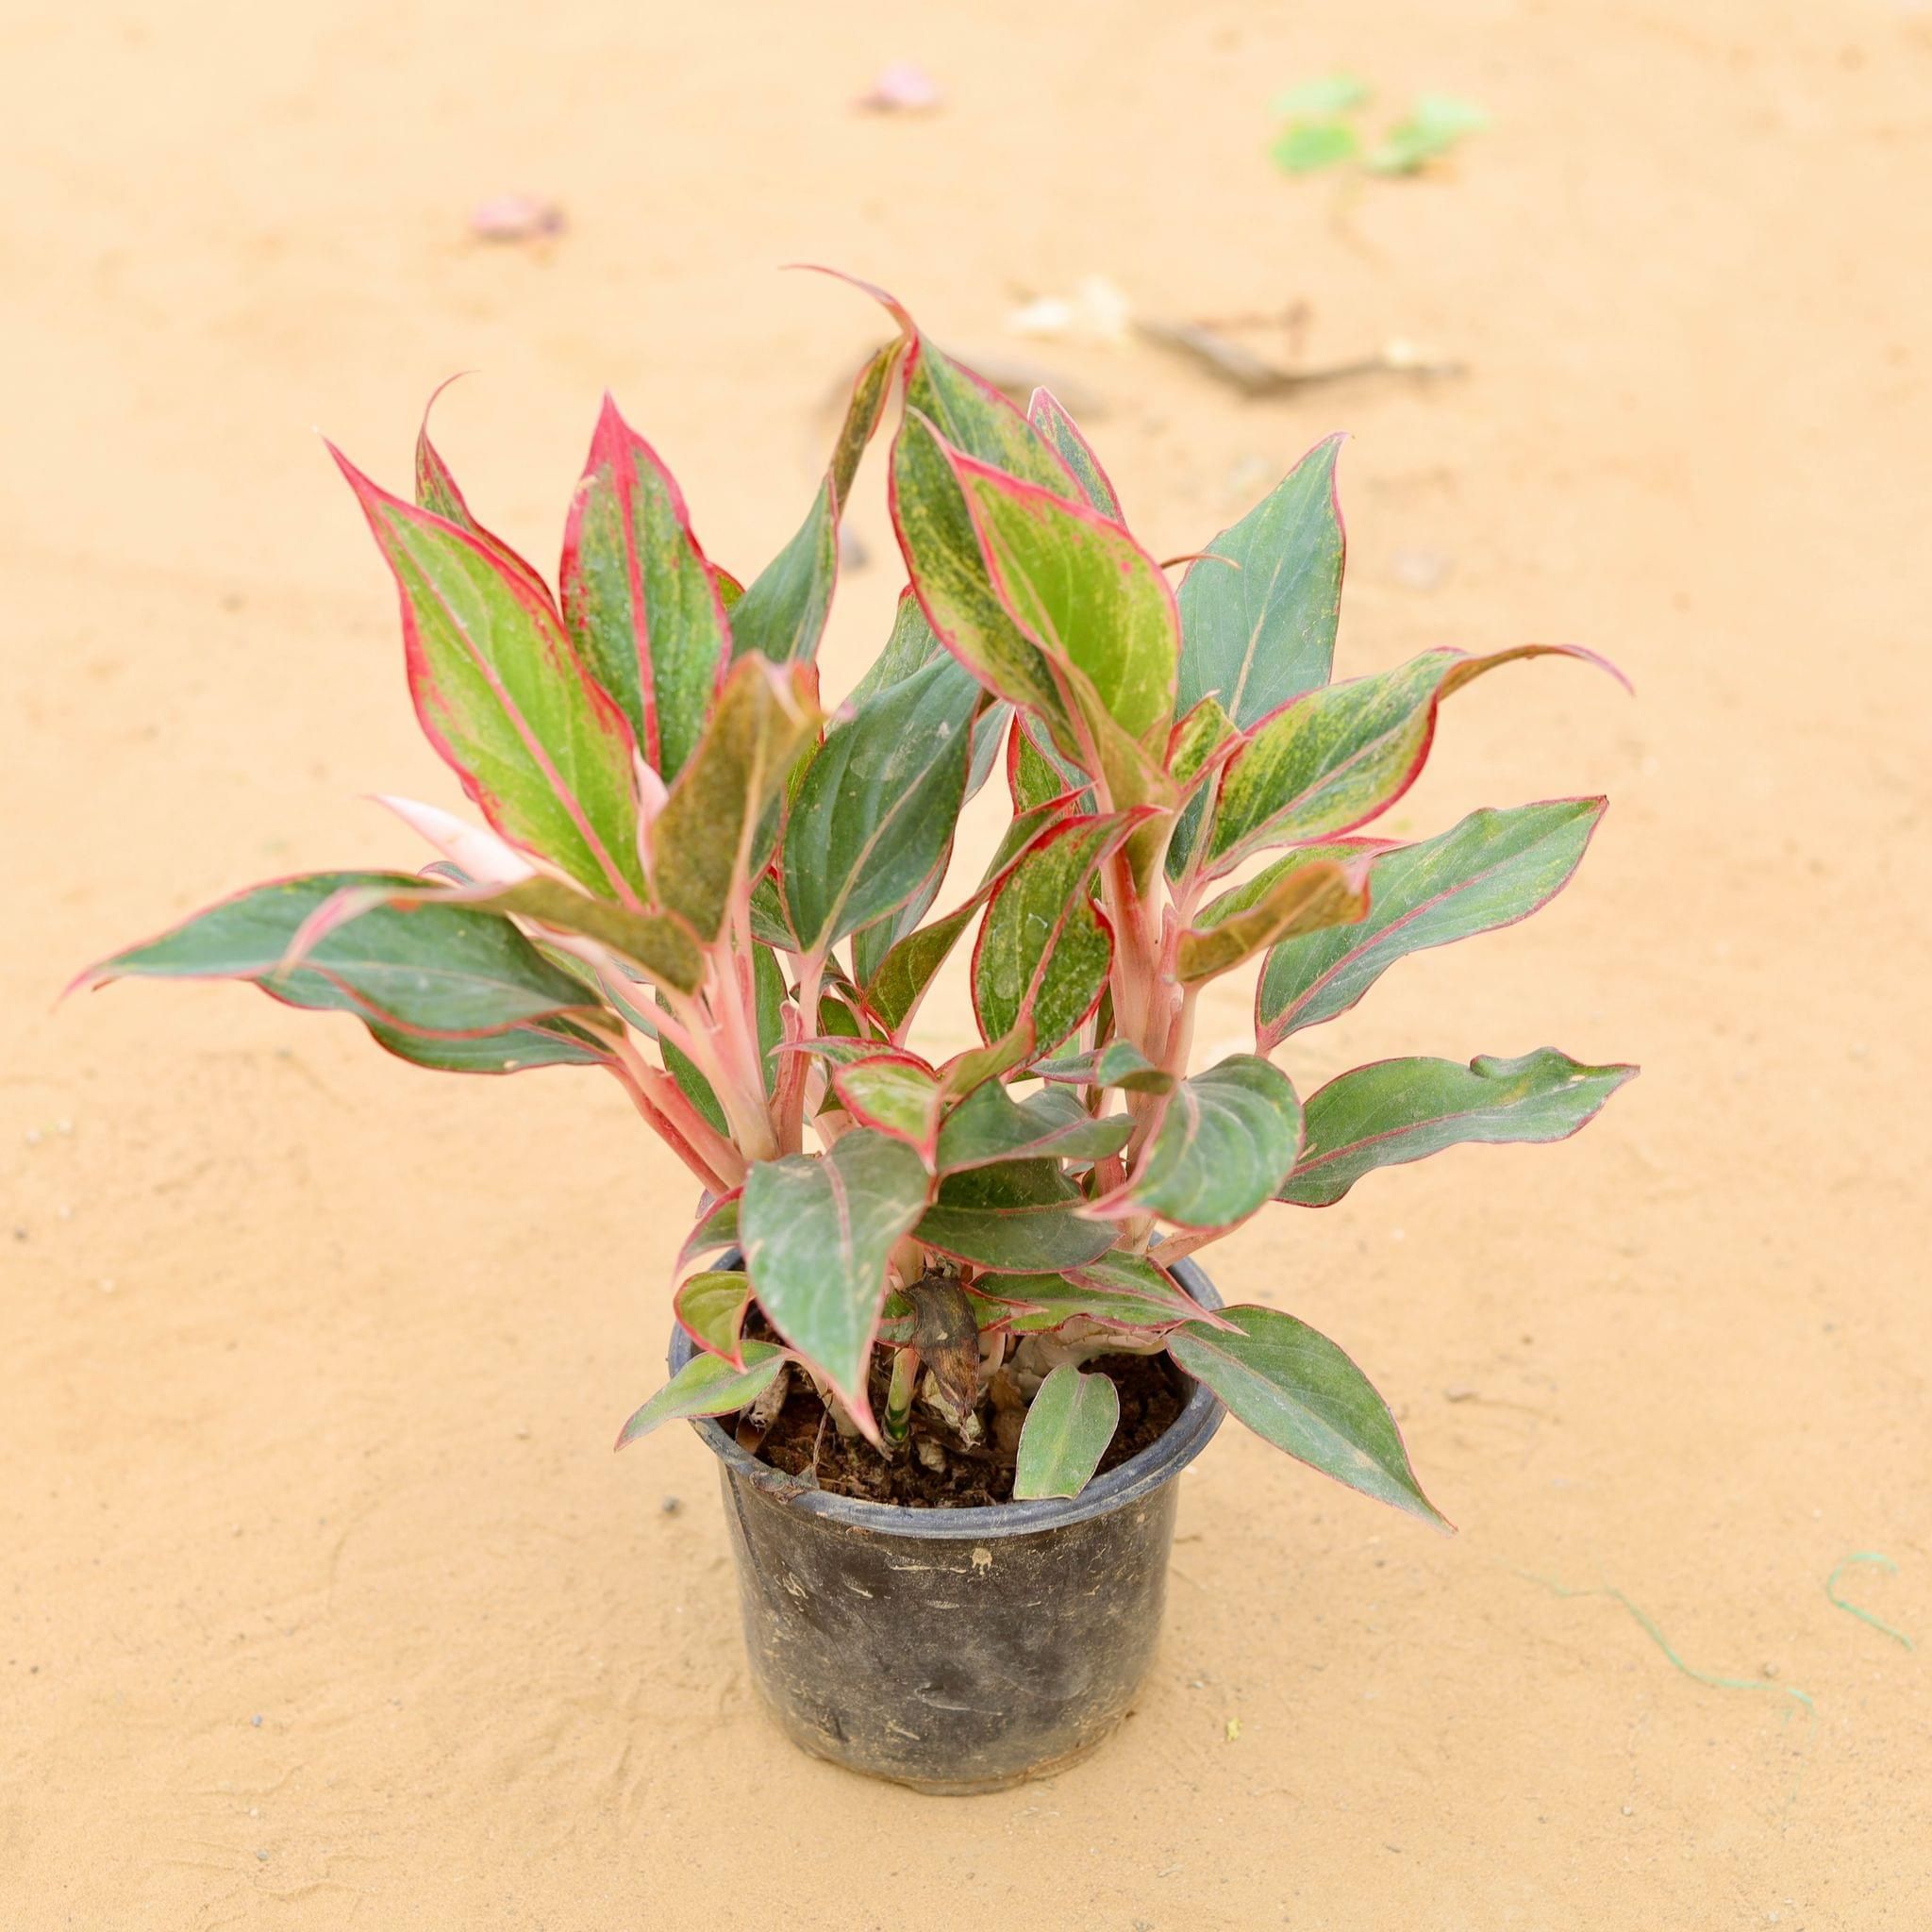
{"type": "Point", "coordinates": [1401, 1110]}
{"type": "Point", "coordinates": [711, 1309]}
{"type": "Point", "coordinates": [1100, 611]}
{"type": "Point", "coordinates": [1304, 147]}
{"type": "Point", "coordinates": [516, 1050]}
{"type": "Point", "coordinates": [943, 556]}
{"type": "Point", "coordinates": [817, 1234]}
{"type": "Point", "coordinates": [895, 1093]}
{"type": "Point", "coordinates": [1118, 1291]}
{"type": "Point", "coordinates": [1435, 125]}
{"type": "Point", "coordinates": [717, 1227]}
{"type": "Point", "coordinates": [989, 1126]}
{"type": "Point", "coordinates": [707, 1385]}
{"type": "Point", "coordinates": [1200, 744]}
{"type": "Point", "coordinates": [1069, 1424]}
{"type": "Point", "coordinates": [1334, 758]}
{"type": "Point", "coordinates": [1296, 1390]}
{"type": "Point", "coordinates": [1227, 1142]}
{"type": "Point", "coordinates": [1033, 777]}
{"type": "Point", "coordinates": [894, 987]}
{"type": "Point", "coordinates": [441, 971]}
{"type": "Point", "coordinates": [639, 598]}
{"type": "Point", "coordinates": [967, 1071]}
{"type": "Point", "coordinates": [660, 944]}
{"type": "Point", "coordinates": [973, 416]}
{"type": "Point", "coordinates": [715, 830]}
{"type": "Point", "coordinates": [908, 969]}
{"type": "Point", "coordinates": [1333, 94]}
{"type": "Point", "coordinates": [877, 808]}
{"type": "Point", "coordinates": [912, 647]}
{"type": "Point", "coordinates": [1307, 898]}
{"type": "Point", "coordinates": [1044, 949]}
{"type": "Point", "coordinates": [543, 751]}
{"type": "Point", "coordinates": [1054, 426]}
{"type": "Point", "coordinates": [1017, 1217]}
{"type": "Point", "coordinates": [782, 612]}
{"type": "Point", "coordinates": [1119, 1063]}
{"type": "Point", "coordinates": [1259, 634]}
{"type": "Point", "coordinates": [1491, 870]}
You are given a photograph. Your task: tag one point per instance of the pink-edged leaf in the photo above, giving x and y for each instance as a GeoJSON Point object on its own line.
{"type": "Point", "coordinates": [991, 1125]}
{"type": "Point", "coordinates": [1084, 592]}
{"type": "Point", "coordinates": [1117, 1289]}
{"type": "Point", "coordinates": [1045, 948]}
{"type": "Point", "coordinates": [707, 1385]}
{"type": "Point", "coordinates": [1282, 904]}
{"type": "Point", "coordinates": [717, 1228]}
{"type": "Point", "coordinates": [1295, 1388]}
{"type": "Point", "coordinates": [1488, 871]}
{"type": "Point", "coordinates": [1335, 758]}
{"type": "Point", "coordinates": [1119, 1063]}
{"type": "Point", "coordinates": [1016, 1217]}
{"type": "Point", "coordinates": [715, 831]}
{"type": "Point", "coordinates": [437, 492]}
{"type": "Point", "coordinates": [658, 944]}
{"type": "Point", "coordinates": [436, 969]}
{"type": "Point", "coordinates": [1051, 422]}
{"type": "Point", "coordinates": [817, 1234]}
{"type": "Point", "coordinates": [1227, 1140]}
{"type": "Point", "coordinates": [542, 750]}
{"type": "Point", "coordinates": [895, 1093]}
{"type": "Point", "coordinates": [782, 613]}
{"type": "Point", "coordinates": [971, 1069]}
{"type": "Point", "coordinates": [711, 1308]}
{"type": "Point", "coordinates": [1260, 610]}
{"type": "Point", "coordinates": [641, 601]}
{"type": "Point", "coordinates": [1400, 1111]}
{"type": "Point", "coordinates": [896, 985]}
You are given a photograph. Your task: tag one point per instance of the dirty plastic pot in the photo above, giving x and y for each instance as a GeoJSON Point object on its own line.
{"type": "Point", "coordinates": [955, 1650]}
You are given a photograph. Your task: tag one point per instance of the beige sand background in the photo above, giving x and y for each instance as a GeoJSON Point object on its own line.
{"type": "Point", "coordinates": [325, 1603]}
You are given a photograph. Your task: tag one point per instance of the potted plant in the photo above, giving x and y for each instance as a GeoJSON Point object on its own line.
{"type": "Point", "coordinates": [949, 1301]}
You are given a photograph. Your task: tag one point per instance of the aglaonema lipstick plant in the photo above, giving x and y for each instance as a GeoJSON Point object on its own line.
{"type": "Point", "coordinates": [695, 878]}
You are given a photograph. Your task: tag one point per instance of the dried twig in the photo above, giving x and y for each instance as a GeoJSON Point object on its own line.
{"type": "Point", "coordinates": [1237, 366]}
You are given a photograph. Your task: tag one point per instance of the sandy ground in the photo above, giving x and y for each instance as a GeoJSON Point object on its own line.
{"type": "Point", "coordinates": [324, 1604]}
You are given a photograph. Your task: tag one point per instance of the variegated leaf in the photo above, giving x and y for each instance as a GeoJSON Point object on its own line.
{"type": "Point", "coordinates": [539, 747]}
{"type": "Point", "coordinates": [716, 828]}
{"type": "Point", "coordinates": [1400, 1111]}
{"type": "Point", "coordinates": [1491, 870]}
{"type": "Point", "coordinates": [817, 1234]}
{"type": "Point", "coordinates": [1069, 1424]}
{"type": "Point", "coordinates": [1333, 759]}
{"type": "Point", "coordinates": [1226, 1141]}
{"type": "Point", "coordinates": [1296, 1390]}
{"type": "Point", "coordinates": [1258, 628]}
{"type": "Point", "coordinates": [639, 598]}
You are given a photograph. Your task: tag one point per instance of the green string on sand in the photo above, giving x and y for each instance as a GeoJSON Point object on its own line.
{"type": "Point", "coordinates": [1649, 1627]}
{"type": "Point", "coordinates": [1864, 1616]}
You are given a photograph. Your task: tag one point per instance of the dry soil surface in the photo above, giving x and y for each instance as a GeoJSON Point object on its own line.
{"type": "Point", "coordinates": [325, 1603]}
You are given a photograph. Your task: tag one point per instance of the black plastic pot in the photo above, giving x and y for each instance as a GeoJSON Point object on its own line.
{"type": "Point", "coordinates": [955, 1650]}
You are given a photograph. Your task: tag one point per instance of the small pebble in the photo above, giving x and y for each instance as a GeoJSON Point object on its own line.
{"type": "Point", "coordinates": [262, 1856]}
{"type": "Point", "coordinates": [1628, 1809]}
{"type": "Point", "coordinates": [63, 1126]}
{"type": "Point", "coordinates": [515, 218]}
{"type": "Point", "coordinates": [256, 1720]}
{"type": "Point", "coordinates": [671, 1505]}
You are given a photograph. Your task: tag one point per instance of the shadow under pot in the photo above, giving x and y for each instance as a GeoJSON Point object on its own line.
{"type": "Point", "coordinates": [955, 1650]}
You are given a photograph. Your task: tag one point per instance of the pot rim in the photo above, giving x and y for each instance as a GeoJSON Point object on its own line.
{"type": "Point", "coordinates": [1138, 1476]}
